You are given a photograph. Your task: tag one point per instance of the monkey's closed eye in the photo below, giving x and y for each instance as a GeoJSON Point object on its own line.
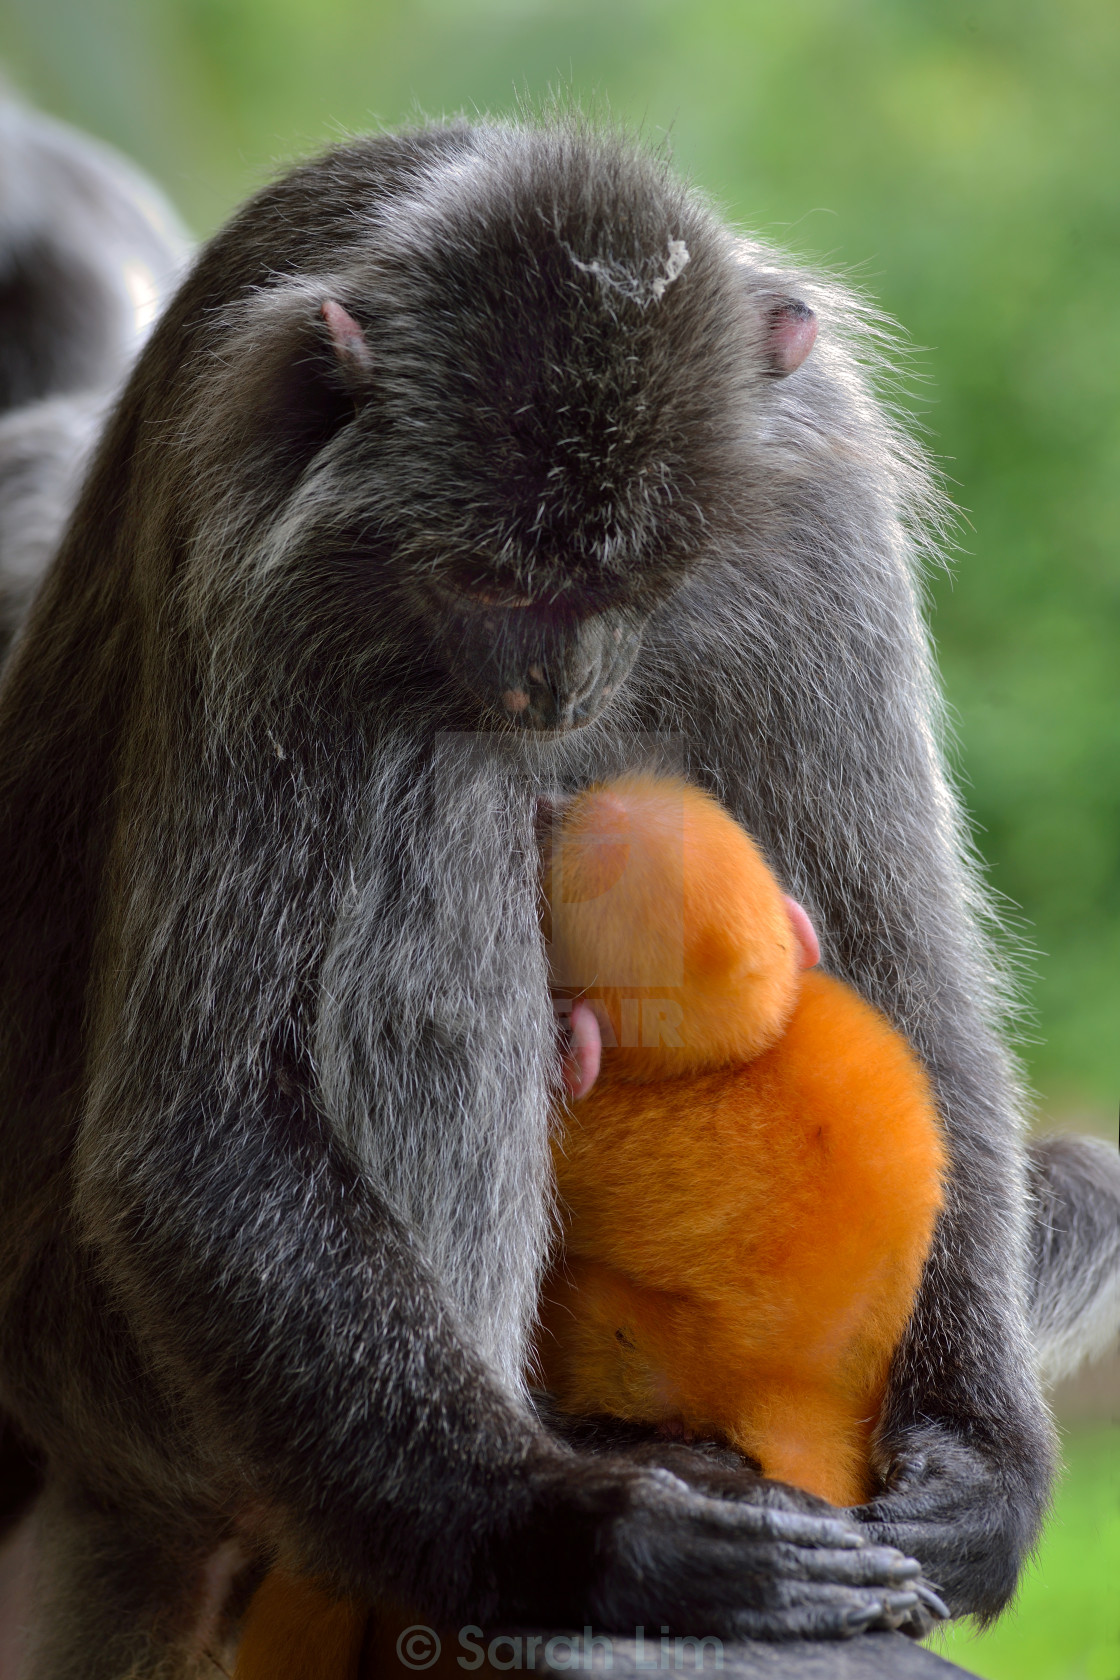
{"type": "Point", "coordinates": [487, 592]}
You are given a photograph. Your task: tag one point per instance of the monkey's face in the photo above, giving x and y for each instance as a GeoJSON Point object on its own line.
{"type": "Point", "coordinates": [545, 403]}
{"type": "Point", "coordinates": [550, 378]}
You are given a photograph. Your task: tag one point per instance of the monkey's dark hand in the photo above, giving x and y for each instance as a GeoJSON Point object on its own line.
{"type": "Point", "coordinates": [721, 1472]}
{"type": "Point", "coordinates": [616, 1544]}
{"type": "Point", "coordinates": [967, 1520]}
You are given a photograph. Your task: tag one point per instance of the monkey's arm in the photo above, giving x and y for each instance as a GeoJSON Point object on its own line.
{"type": "Point", "coordinates": [295, 1313]}
{"type": "Point", "coordinates": [835, 769]}
{"type": "Point", "coordinates": [965, 1443]}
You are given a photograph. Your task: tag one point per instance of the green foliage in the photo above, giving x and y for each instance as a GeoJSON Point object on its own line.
{"type": "Point", "coordinates": [960, 160]}
{"type": "Point", "coordinates": [1066, 1623]}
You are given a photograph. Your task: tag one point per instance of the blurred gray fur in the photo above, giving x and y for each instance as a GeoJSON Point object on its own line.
{"type": "Point", "coordinates": [89, 252]}
{"type": "Point", "coordinates": [1075, 1298]}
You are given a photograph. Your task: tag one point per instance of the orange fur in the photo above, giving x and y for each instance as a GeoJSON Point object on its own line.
{"type": "Point", "coordinates": [750, 1189]}
{"type": "Point", "coordinates": [744, 1232]}
{"type": "Point", "coordinates": [294, 1630]}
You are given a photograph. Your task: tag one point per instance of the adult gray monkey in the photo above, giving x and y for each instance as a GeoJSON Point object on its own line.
{"type": "Point", "coordinates": [465, 465]}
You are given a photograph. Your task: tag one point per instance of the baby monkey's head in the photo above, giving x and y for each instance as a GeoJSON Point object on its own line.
{"type": "Point", "coordinates": [664, 915]}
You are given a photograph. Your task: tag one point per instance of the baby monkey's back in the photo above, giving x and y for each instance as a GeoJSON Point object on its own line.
{"type": "Point", "coordinates": [750, 1188]}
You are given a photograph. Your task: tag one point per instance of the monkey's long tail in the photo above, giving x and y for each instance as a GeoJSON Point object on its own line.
{"type": "Point", "coordinates": [89, 251]}
{"type": "Point", "coordinates": [1075, 1309]}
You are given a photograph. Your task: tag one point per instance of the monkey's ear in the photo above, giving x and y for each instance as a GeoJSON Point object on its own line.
{"type": "Point", "coordinates": [791, 332]}
{"type": "Point", "coordinates": [353, 354]}
{"type": "Point", "coordinates": [803, 931]}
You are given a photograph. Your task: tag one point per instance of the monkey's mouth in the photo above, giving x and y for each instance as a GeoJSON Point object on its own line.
{"type": "Point", "coordinates": [545, 670]}
{"type": "Point", "coordinates": [482, 593]}
{"type": "Point", "coordinates": [540, 708]}
{"type": "Point", "coordinates": [549, 698]}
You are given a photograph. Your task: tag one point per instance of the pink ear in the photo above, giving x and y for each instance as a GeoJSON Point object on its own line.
{"type": "Point", "coordinates": [585, 1050]}
{"type": "Point", "coordinates": [350, 346]}
{"type": "Point", "coordinates": [804, 932]}
{"type": "Point", "coordinates": [792, 333]}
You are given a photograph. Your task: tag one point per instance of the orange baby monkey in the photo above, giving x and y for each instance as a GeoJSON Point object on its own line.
{"type": "Point", "coordinates": [751, 1185]}
{"type": "Point", "coordinates": [750, 1173]}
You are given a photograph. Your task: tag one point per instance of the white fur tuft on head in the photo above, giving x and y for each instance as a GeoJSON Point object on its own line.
{"type": "Point", "coordinates": [675, 264]}
{"type": "Point", "coordinates": [624, 278]}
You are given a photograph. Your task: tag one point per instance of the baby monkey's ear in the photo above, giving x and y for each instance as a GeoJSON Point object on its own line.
{"type": "Point", "coordinates": [803, 931]}
{"type": "Point", "coordinates": [584, 1053]}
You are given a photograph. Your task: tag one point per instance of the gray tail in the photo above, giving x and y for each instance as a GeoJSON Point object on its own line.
{"type": "Point", "coordinates": [1075, 1309]}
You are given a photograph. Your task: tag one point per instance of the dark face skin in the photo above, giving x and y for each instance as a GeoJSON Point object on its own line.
{"type": "Point", "coordinates": [537, 666]}
{"type": "Point", "coordinates": [548, 656]}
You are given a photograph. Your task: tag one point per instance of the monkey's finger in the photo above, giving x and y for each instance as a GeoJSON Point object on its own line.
{"type": "Point", "coordinates": [781, 1582]}
{"type": "Point", "coordinates": [929, 1540]}
{"type": "Point", "coordinates": [896, 1607]}
{"type": "Point", "coordinates": [827, 1613]}
{"type": "Point", "coordinates": [926, 1614]}
{"type": "Point", "coordinates": [875, 1566]}
{"type": "Point", "coordinates": [932, 1601]}
{"type": "Point", "coordinates": [730, 1516]}
{"type": "Point", "coordinates": [797, 1528]}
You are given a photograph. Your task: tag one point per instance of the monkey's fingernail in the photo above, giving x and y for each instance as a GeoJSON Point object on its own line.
{"type": "Point", "coordinates": [932, 1602]}
{"type": "Point", "coordinates": [837, 1534]}
{"type": "Point", "coordinates": [896, 1603]}
{"type": "Point", "coordinates": [904, 1570]}
{"type": "Point", "coordinates": [856, 1620]}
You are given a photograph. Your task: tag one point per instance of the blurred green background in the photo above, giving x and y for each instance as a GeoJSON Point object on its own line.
{"type": "Point", "coordinates": [962, 161]}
